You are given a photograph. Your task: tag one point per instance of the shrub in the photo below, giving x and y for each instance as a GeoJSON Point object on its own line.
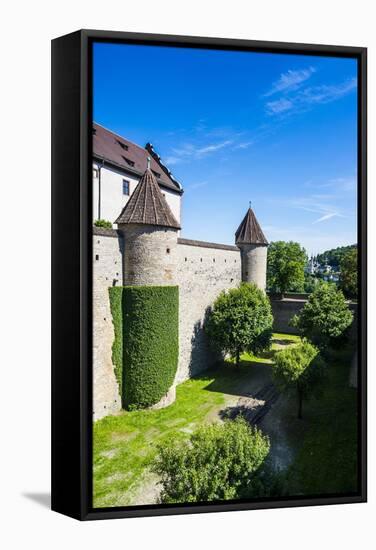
{"type": "Point", "coordinates": [325, 316]}
{"type": "Point", "coordinates": [241, 320]}
{"type": "Point", "coordinates": [103, 223]}
{"type": "Point", "coordinates": [297, 367]}
{"type": "Point", "coordinates": [217, 464]}
{"type": "Point", "coordinates": [150, 343]}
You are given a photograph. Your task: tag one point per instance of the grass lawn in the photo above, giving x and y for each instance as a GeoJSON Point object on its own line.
{"type": "Point", "coordinates": [322, 446]}
{"type": "Point", "coordinates": [326, 461]}
{"type": "Point", "coordinates": [125, 444]}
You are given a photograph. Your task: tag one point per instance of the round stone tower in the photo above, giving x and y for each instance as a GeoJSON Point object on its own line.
{"type": "Point", "coordinates": [253, 249]}
{"type": "Point", "coordinates": [150, 236]}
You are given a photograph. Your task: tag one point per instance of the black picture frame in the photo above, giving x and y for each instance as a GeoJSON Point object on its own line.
{"type": "Point", "coordinates": [72, 272]}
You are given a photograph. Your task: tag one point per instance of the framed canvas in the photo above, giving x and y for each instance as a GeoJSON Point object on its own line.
{"type": "Point", "coordinates": [208, 274]}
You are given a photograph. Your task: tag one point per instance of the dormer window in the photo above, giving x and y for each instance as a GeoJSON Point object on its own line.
{"type": "Point", "coordinates": [128, 161]}
{"type": "Point", "coordinates": [122, 145]}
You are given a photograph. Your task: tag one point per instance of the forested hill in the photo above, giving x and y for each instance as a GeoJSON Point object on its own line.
{"type": "Point", "coordinates": [333, 257]}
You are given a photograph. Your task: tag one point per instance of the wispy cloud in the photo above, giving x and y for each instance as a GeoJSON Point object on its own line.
{"type": "Point", "coordinates": [201, 151]}
{"type": "Point", "coordinates": [196, 185]}
{"type": "Point", "coordinates": [312, 204]}
{"type": "Point", "coordinates": [244, 145]}
{"type": "Point", "coordinates": [326, 217]}
{"type": "Point", "coordinates": [291, 80]}
{"type": "Point", "coordinates": [190, 151]}
{"type": "Point", "coordinates": [327, 94]}
{"type": "Point", "coordinates": [279, 106]}
{"type": "Point", "coordinates": [306, 98]}
{"type": "Point", "coordinates": [337, 186]}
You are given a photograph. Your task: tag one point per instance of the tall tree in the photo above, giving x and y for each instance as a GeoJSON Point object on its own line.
{"type": "Point", "coordinates": [241, 320]}
{"type": "Point", "coordinates": [325, 316]}
{"type": "Point", "coordinates": [295, 368]}
{"type": "Point", "coordinates": [349, 273]}
{"type": "Point", "coordinates": [286, 263]}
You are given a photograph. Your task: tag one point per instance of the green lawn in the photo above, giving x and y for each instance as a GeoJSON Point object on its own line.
{"type": "Point", "coordinates": [326, 461]}
{"type": "Point", "coordinates": [323, 443]}
{"type": "Point", "coordinates": [125, 444]}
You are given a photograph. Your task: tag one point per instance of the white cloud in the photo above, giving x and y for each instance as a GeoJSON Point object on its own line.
{"type": "Point", "coordinates": [312, 204]}
{"type": "Point", "coordinates": [169, 161]}
{"type": "Point", "coordinates": [338, 185]}
{"type": "Point", "coordinates": [279, 106]}
{"type": "Point", "coordinates": [196, 185]}
{"type": "Point", "coordinates": [310, 96]}
{"type": "Point", "coordinates": [243, 145]}
{"type": "Point", "coordinates": [326, 217]}
{"type": "Point", "coordinates": [211, 148]}
{"type": "Point", "coordinates": [290, 80]}
{"type": "Point", "coordinates": [326, 94]}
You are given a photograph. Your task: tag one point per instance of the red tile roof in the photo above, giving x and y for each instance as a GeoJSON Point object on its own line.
{"type": "Point", "coordinates": [147, 205]}
{"type": "Point", "coordinates": [128, 156]}
{"type": "Point", "coordinates": [249, 231]}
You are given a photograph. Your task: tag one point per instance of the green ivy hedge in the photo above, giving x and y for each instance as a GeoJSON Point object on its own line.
{"type": "Point", "coordinates": [116, 303]}
{"type": "Point", "coordinates": [146, 346]}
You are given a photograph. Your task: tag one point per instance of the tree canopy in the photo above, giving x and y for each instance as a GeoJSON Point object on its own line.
{"type": "Point", "coordinates": [285, 267]}
{"type": "Point", "coordinates": [349, 273]}
{"type": "Point", "coordinates": [294, 367]}
{"type": "Point", "coordinates": [325, 316]}
{"type": "Point", "coordinates": [334, 256]}
{"type": "Point", "coordinates": [241, 320]}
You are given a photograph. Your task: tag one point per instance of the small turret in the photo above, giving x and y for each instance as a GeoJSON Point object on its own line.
{"type": "Point", "coordinates": [253, 247]}
{"type": "Point", "coordinates": [150, 236]}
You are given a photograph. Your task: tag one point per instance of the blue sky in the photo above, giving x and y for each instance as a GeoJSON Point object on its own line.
{"type": "Point", "coordinates": [278, 130]}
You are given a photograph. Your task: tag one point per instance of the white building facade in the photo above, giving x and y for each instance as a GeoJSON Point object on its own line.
{"type": "Point", "coordinates": [118, 165]}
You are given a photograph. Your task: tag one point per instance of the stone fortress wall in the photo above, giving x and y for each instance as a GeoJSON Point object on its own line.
{"type": "Point", "coordinates": [203, 270]}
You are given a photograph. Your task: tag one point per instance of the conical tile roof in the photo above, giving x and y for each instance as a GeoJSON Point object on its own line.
{"type": "Point", "coordinates": [147, 205]}
{"type": "Point", "coordinates": [249, 231]}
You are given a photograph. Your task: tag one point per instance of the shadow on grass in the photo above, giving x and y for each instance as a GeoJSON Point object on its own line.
{"type": "Point", "coordinates": [281, 342]}
{"type": "Point", "coordinates": [244, 380]}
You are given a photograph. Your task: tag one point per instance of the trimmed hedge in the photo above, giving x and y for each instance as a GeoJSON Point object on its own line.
{"type": "Point", "coordinates": [146, 346]}
{"type": "Point", "coordinates": [116, 304]}
{"type": "Point", "coordinates": [151, 346]}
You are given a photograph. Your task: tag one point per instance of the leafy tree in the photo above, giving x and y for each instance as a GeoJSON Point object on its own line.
{"type": "Point", "coordinates": [241, 320]}
{"type": "Point", "coordinates": [285, 268]}
{"type": "Point", "coordinates": [217, 464]}
{"type": "Point", "coordinates": [325, 316]}
{"type": "Point", "coordinates": [103, 223]}
{"type": "Point", "coordinates": [295, 367]}
{"type": "Point", "coordinates": [310, 283]}
{"type": "Point", "coordinates": [334, 256]}
{"type": "Point", "coordinates": [349, 273]}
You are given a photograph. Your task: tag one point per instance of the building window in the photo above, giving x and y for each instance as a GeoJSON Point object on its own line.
{"type": "Point", "coordinates": [125, 187]}
{"type": "Point", "coordinates": [167, 250]}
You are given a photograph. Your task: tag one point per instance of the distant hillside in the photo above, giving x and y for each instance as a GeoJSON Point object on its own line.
{"type": "Point", "coordinates": [333, 257]}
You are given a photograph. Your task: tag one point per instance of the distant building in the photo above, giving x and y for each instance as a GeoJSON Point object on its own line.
{"type": "Point", "coordinates": [313, 266]}
{"type": "Point", "coordinates": [118, 165]}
